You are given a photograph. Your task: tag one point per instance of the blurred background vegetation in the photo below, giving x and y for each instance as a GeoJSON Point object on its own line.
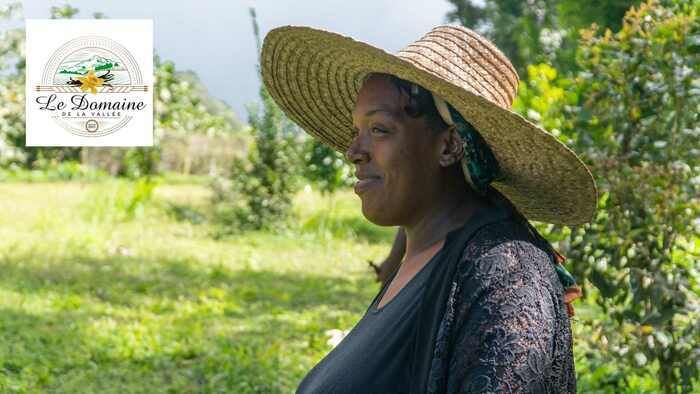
{"type": "Point", "coordinates": [229, 256]}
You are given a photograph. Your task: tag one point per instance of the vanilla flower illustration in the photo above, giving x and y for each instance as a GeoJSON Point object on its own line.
{"type": "Point", "coordinates": [90, 82]}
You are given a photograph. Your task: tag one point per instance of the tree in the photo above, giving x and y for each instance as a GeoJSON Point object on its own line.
{"type": "Point", "coordinates": [258, 194]}
{"type": "Point", "coordinates": [632, 112]}
{"type": "Point", "coordinates": [537, 31]}
{"type": "Point", "coordinates": [12, 80]}
{"type": "Point", "coordinates": [641, 87]}
{"type": "Point", "coordinates": [11, 87]}
{"type": "Point", "coordinates": [326, 166]}
{"type": "Point", "coordinates": [183, 106]}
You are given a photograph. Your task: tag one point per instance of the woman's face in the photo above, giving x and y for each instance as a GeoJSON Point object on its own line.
{"type": "Point", "coordinates": [396, 156]}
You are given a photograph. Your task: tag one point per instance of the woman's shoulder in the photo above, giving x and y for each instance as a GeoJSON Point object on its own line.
{"type": "Point", "coordinates": [507, 309]}
{"type": "Point", "coordinates": [502, 252]}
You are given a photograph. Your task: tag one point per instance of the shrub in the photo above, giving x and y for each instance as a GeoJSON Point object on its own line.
{"type": "Point", "coordinates": [632, 113]}
{"type": "Point", "coordinates": [258, 192]}
{"type": "Point", "coordinates": [326, 167]}
{"type": "Point", "coordinates": [119, 200]}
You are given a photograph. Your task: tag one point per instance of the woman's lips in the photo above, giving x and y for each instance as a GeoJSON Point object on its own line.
{"type": "Point", "coordinates": [363, 185]}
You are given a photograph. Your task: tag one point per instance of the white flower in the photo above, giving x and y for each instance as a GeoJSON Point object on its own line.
{"type": "Point", "coordinates": [165, 95]}
{"type": "Point", "coordinates": [660, 144]}
{"type": "Point", "coordinates": [336, 336]}
{"type": "Point", "coordinates": [534, 115]}
{"type": "Point", "coordinates": [661, 338]}
{"type": "Point", "coordinates": [602, 264]}
{"type": "Point", "coordinates": [696, 224]}
{"type": "Point", "coordinates": [682, 71]}
{"type": "Point", "coordinates": [692, 132]}
{"type": "Point", "coordinates": [640, 358]}
{"type": "Point", "coordinates": [680, 166]}
{"type": "Point", "coordinates": [551, 39]}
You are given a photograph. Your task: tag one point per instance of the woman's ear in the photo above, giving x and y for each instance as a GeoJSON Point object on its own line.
{"type": "Point", "coordinates": [452, 149]}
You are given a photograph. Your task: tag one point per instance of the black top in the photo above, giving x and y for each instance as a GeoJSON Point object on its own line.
{"type": "Point", "coordinates": [374, 355]}
{"type": "Point", "coordinates": [489, 318]}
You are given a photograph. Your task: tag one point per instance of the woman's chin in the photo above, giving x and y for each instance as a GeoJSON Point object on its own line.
{"type": "Point", "coordinates": [376, 215]}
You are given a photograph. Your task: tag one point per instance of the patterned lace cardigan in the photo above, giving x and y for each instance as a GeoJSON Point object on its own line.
{"type": "Point", "coordinates": [492, 318]}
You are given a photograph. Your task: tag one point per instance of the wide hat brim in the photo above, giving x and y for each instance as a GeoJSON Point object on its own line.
{"type": "Point", "coordinates": [315, 76]}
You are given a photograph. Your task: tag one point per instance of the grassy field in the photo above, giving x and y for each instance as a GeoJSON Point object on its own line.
{"type": "Point", "coordinates": [107, 288]}
{"type": "Point", "coordinates": [100, 296]}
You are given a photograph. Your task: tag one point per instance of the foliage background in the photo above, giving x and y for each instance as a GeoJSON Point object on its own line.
{"type": "Point", "coordinates": [232, 256]}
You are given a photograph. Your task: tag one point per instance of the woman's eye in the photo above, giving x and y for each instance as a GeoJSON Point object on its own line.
{"type": "Point", "coordinates": [378, 130]}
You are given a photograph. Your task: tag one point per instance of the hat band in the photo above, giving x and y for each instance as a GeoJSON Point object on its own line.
{"type": "Point", "coordinates": [478, 164]}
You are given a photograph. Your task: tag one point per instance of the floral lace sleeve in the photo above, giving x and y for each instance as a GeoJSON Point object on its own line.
{"type": "Point", "coordinates": [511, 331]}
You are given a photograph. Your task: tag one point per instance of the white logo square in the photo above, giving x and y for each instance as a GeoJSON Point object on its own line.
{"type": "Point", "coordinates": [89, 82]}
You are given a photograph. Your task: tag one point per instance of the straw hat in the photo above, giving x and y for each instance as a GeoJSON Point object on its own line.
{"type": "Point", "coordinates": [315, 76]}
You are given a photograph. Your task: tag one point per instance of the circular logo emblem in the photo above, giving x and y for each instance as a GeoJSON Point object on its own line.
{"type": "Point", "coordinates": [92, 125]}
{"type": "Point", "coordinates": [95, 84]}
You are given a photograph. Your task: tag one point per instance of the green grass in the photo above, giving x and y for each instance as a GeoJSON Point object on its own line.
{"type": "Point", "coordinates": [109, 286]}
{"type": "Point", "coordinates": [96, 300]}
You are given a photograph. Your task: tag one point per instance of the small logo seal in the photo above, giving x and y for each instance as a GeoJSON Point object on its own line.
{"type": "Point", "coordinates": [93, 84]}
{"type": "Point", "coordinates": [89, 83]}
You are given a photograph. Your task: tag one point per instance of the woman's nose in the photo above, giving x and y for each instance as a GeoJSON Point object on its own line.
{"type": "Point", "coordinates": [357, 151]}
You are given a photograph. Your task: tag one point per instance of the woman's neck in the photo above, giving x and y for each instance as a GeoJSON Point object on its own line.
{"type": "Point", "coordinates": [437, 221]}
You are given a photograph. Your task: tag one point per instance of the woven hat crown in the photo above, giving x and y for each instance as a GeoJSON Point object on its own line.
{"type": "Point", "coordinates": [465, 59]}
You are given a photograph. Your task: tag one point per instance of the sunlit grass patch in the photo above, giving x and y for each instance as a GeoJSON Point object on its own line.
{"type": "Point", "coordinates": [97, 299]}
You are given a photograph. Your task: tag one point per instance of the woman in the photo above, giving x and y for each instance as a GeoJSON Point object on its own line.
{"type": "Point", "coordinates": [477, 303]}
